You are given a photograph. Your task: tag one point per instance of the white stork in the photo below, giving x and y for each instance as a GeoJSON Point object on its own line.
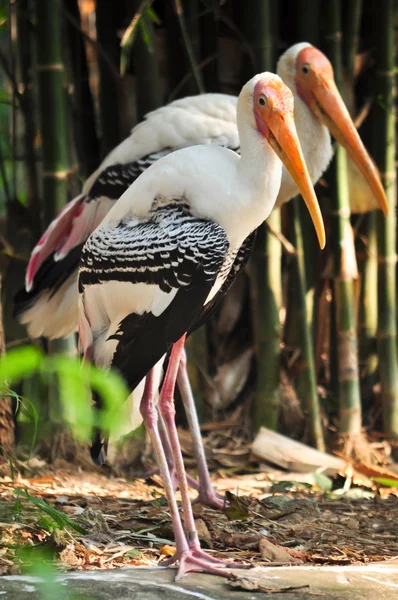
{"type": "Point", "coordinates": [157, 262]}
{"type": "Point", "coordinates": [49, 306]}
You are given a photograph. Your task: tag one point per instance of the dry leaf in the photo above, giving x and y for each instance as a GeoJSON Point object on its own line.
{"type": "Point", "coordinates": [167, 550]}
{"type": "Point", "coordinates": [203, 532]}
{"type": "Point", "coordinates": [273, 553]}
{"type": "Point", "coordinates": [68, 557]}
{"type": "Point", "coordinates": [252, 585]}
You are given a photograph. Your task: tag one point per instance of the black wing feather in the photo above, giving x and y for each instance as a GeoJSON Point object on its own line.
{"type": "Point", "coordinates": [173, 250]}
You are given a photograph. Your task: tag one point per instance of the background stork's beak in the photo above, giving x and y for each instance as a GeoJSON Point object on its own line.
{"type": "Point", "coordinates": [331, 110]}
{"type": "Point", "coordinates": [284, 140]}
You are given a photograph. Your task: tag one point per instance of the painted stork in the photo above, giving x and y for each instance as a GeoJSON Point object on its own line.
{"type": "Point", "coordinates": [49, 306]}
{"type": "Point", "coordinates": [157, 262]}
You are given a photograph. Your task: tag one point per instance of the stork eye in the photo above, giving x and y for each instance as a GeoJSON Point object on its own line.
{"type": "Point", "coordinates": [306, 69]}
{"type": "Point", "coordinates": [262, 101]}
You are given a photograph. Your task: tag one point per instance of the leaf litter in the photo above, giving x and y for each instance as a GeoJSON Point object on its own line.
{"type": "Point", "coordinates": [86, 520]}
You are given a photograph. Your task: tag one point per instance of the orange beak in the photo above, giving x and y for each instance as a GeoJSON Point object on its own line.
{"type": "Point", "coordinates": [328, 106]}
{"type": "Point", "coordinates": [276, 122]}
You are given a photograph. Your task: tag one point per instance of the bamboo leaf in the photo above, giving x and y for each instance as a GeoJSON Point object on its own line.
{"type": "Point", "coordinates": [386, 482]}
{"type": "Point", "coordinates": [60, 518]}
{"type": "Point", "coordinates": [130, 34]}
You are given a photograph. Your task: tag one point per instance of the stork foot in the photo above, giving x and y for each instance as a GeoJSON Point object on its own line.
{"type": "Point", "coordinates": [209, 498]}
{"type": "Point", "coordinates": [196, 559]}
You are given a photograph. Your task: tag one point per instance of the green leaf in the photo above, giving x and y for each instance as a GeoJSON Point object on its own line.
{"type": "Point", "coordinates": [146, 35]}
{"type": "Point", "coordinates": [133, 553]}
{"type": "Point", "coordinates": [153, 16]}
{"type": "Point", "coordinates": [18, 364]}
{"type": "Point", "coordinates": [129, 35]}
{"type": "Point", "coordinates": [60, 518]}
{"type": "Point", "coordinates": [386, 481]}
{"type": "Point", "coordinates": [33, 415]}
{"type": "Point", "coordinates": [324, 482]}
{"type": "Point", "coordinates": [282, 487]}
{"type": "Point", "coordinates": [236, 510]}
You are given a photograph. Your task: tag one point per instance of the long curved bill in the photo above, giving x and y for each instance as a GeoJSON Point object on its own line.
{"type": "Point", "coordinates": [331, 110]}
{"type": "Point", "coordinates": [285, 143]}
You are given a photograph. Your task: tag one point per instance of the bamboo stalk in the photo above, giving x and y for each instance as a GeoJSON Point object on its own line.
{"type": "Point", "coordinates": [351, 36]}
{"type": "Point", "coordinates": [367, 256]}
{"type": "Point", "coordinates": [54, 132]}
{"type": "Point", "coordinates": [265, 271]}
{"type": "Point", "coordinates": [308, 21]}
{"type": "Point", "coordinates": [367, 312]}
{"type": "Point", "coordinates": [383, 150]}
{"type": "Point", "coordinates": [24, 45]}
{"type": "Point", "coordinates": [87, 143]}
{"type": "Point", "coordinates": [308, 31]}
{"type": "Point", "coordinates": [345, 268]}
{"type": "Point", "coordinates": [190, 35]}
{"type": "Point", "coordinates": [302, 279]}
{"type": "Point", "coordinates": [306, 384]}
{"type": "Point", "coordinates": [7, 410]}
{"type": "Point", "coordinates": [209, 26]}
{"type": "Point", "coordinates": [109, 88]}
{"type": "Point", "coordinates": [266, 293]}
{"type": "Point", "coordinates": [148, 88]}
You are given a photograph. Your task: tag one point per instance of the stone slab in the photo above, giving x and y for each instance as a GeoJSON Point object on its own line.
{"type": "Point", "coordinates": [369, 582]}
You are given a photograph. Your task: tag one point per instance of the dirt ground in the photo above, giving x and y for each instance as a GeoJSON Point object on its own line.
{"type": "Point", "coordinates": [270, 517]}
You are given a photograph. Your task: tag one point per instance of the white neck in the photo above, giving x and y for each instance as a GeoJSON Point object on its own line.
{"type": "Point", "coordinates": [259, 173]}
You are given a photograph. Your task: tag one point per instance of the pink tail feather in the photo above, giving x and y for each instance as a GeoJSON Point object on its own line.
{"type": "Point", "coordinates": [55, 235]}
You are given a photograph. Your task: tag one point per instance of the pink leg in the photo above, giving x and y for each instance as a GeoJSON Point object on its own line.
{"type": "Point", "coordinates": [195, 559]}
{"type": "Point", "coordinates": [169, 457]}
{"type": "Point", "coordinates": [207, 494]}
{"type": "Point", "coordinates": [150, 416]}
{"type": "Point", "coordinates": [183, 552]}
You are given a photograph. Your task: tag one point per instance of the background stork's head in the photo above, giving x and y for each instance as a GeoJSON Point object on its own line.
{"type": "Point", "coordinates": [309, 74]}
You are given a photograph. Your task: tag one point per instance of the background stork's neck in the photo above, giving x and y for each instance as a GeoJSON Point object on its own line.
{"type": "Point", "coordinates": [316, 145]}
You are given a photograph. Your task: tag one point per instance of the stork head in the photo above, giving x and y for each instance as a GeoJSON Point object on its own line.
{"type": "Point", "coordinates": [266, 104]}
{"type": "Point", "coordinates": [307, 71]}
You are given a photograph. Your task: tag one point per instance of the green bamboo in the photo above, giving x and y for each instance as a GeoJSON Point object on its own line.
{"type": "Point", "coordinates": [383, 150]}
{"type": "Point", "coordinates": [209, 44]}
{"type": "Point", "coordinates": [146, 68]}
{"type": "Point", "coordinates": [367, 310]}
{"type": "Point", "coordinates": [301, 282]}
{"type": "Point", "coordinates": [87, 143]}
{"type": "Point", "coordinates": [306, 385]}
{"type": "Point", "coordinates": [343, 255]}
{"type": "Point", "coordinates": [308, 18]}
{"type": "Point", "coordinates": [54, 132]}
{"type": "Point", "coordinates": [24, 46]}
{"type": "Point", "coordinates": [188, 18]}
{"type": "Point", "coordinates": [351, 36]}
{"type": "Point", "coordinates": [266, 293]}
{"type": "Point", "coordinates": [366, 239]}
{"type": "Point", "coordinates": [106, 14]}
{"type": "Point", "coordinates": [7, 408]}
{"type": "Point", "coordinates": [266, 282]}
{"type": "Point", "coordinates": [308, 13]}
